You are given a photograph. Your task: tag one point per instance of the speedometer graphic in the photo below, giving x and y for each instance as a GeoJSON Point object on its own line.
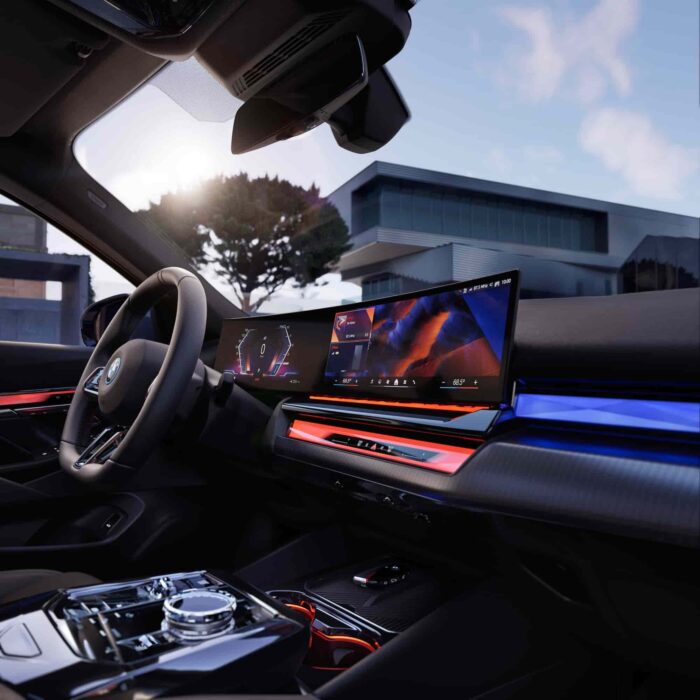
{"type": "Point", "coordinates": [261, 353]}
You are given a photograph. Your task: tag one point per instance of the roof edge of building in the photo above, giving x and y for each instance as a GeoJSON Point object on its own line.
{"type": "Point", "coordinates": [436, 177]}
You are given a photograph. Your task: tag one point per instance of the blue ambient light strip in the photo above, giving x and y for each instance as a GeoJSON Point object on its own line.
{"type": "Point", "coordinates": [680, 416]}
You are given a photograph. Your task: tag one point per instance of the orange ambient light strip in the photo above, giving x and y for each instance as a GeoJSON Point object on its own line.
{"type": "Point", "coordinates": [34, 397]}
{"type": "Point", "coordinates": [344, 638]}
{"type": "Point", "coordinates": [448, 407]}
{"type": "Point", "coordinates": [331, 639]}
{"type": "Point", "coordinates": [447, 458]}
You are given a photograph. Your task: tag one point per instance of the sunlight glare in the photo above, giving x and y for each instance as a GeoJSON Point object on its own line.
{"type": "Point", "coordinates": [189, 167]}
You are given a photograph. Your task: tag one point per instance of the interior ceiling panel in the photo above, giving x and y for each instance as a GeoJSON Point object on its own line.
{"type": "Point", "coordinates": [41, 49]}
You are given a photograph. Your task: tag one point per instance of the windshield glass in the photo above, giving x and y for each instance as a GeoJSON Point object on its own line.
{"type": "Point", "coordinates": [553, 137]}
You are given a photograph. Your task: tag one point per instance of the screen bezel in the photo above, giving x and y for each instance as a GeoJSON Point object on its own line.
{"type": "Point", "coordinates": [327, 315]}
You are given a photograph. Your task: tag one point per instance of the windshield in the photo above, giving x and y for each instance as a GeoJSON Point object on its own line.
{"type": "Point", "coordinates": [553, 137]}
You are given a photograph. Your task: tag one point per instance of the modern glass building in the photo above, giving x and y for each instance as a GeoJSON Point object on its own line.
{"type": "Point", "coordinates": [412, 227]}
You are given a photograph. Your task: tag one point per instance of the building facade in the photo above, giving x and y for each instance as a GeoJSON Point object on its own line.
{"type": "Point", "coordinates": [411, 228]}
{"type": "Point", "coordinates": [26, 314]}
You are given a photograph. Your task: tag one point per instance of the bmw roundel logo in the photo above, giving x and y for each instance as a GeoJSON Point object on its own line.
{"type": "Point", "coordinates": [113, 370]}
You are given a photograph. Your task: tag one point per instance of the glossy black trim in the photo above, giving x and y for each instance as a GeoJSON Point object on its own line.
{"type": "Point", "coordinates": [475, 423]}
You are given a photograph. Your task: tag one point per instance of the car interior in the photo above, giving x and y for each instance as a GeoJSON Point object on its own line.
{"type": "Point", "coordinates": [178, 518]}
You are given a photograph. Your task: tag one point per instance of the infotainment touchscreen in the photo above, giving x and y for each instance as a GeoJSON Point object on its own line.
{"type": "Point", "coordinates": [450, 343]}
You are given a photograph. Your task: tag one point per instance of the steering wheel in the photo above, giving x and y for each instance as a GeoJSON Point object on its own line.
{"type": "Point", "coordinates": [136, 384]}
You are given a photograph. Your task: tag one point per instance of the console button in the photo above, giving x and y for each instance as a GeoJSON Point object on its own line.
{"type": "Point", "coordinates": [17, 640]}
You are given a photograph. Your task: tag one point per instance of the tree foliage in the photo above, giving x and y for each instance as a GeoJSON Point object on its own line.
{"type": "Point", "coordinates": [255, 233]}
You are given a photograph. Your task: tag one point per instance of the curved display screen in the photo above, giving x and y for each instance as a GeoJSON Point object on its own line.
{"type": "Point", "coordinates": [275, 352]}
{"type": "Point", "coordinates": [450, 343]}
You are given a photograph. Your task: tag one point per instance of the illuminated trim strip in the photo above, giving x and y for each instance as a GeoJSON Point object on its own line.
{"type": "Point", "coordinates": [452, 408]}
{"type": "Point", "coordinates": [680, 416]}
{"type": "Point", "coordinates": [368, 646]}
{"type": "Point", "coordinates": [34, 397]}
{"type": "Point", "coordinates": [448, 460]}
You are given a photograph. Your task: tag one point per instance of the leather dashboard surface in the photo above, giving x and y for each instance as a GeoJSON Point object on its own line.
{"type": "Point", "coordinates": [646, 337]}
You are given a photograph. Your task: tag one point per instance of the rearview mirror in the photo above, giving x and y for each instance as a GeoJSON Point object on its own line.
{"type": "Point", "coordinates": [303, 98]}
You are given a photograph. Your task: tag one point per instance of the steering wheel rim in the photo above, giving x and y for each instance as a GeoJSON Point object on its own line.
{"type": "Point", "coordinates": [124, 449]}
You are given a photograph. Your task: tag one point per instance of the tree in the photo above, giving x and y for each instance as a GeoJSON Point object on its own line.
{"type": "Point", "coordinates": [256, 233]}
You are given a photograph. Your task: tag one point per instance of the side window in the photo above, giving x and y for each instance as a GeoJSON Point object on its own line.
{"type": "Point", "coordinates": [47, 279]}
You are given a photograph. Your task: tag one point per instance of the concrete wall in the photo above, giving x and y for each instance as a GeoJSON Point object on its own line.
{"type": "Point", "coordinates": [43, 320]}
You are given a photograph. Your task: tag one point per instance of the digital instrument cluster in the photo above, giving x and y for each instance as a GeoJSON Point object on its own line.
{"type": "Point", "coordinates": [275, 352]}
{"type": "Point", "coordinates": [449, 343]}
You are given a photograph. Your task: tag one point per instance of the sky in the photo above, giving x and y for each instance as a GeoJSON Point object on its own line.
{"type": "Point", "coordinates": [597, 98]}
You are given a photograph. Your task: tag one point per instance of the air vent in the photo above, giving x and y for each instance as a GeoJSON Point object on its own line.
{"type": "Point", "coordinates": [298, 41]}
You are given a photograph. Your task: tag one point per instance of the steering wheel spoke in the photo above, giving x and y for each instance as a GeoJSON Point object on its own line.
{"type": "Point", "coordinates": [101, 447]}
{"type": "Point", "coordinates": [91, 384]}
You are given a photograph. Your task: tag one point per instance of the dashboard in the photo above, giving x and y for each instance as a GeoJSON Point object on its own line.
{"type": "Point", "coordinates": [588, 425]}
{"type": "Point", "coordinates": [448, 344]}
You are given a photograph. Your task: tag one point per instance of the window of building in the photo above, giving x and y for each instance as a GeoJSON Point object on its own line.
{"type": "Point", "coordinates": [47, 279]}
{"type": "Point", "coordinates": [430, 209]}
{"type": "Point", "coordinates": [661, 262]}
{"type": "Point", "coordinates": [384, 285]}
{"type": "Point", "coordinates": [365, 209]}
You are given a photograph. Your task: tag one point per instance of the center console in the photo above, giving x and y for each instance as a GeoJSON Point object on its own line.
{"type": "Point", "coordinates": [154, 636]}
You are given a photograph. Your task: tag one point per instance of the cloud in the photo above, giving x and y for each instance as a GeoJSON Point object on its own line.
{"type": "Point", "coordinates": [628, 143]}
{"type": "Point", "coordinates": [583, 54]}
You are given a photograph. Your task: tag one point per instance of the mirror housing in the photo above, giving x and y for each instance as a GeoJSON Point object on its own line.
{"type": "Point", "coordinates": [96, 317]}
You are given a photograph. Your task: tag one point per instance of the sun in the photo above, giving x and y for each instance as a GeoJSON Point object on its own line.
{"type": "Point", "coordinates": [188, 167]}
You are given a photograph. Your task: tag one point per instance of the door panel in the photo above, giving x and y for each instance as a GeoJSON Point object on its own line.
{"type": "Point", "coordinates": [36, 386]}
{"type": "Point", "coordinates": [48, 519]}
